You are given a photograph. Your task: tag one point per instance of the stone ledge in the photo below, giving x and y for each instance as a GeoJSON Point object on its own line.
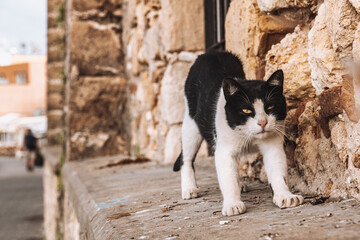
{"type": "Point", "coordinates": [142, 201]}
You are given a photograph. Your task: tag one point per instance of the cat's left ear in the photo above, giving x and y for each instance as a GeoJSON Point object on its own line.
{"type": "Point", "coordinates": [230, 87]}
{"type": "Point", "coordinates": [276, 79]}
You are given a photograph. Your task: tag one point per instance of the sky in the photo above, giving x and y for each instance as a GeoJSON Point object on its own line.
{"type": "Point", "coordinates": [23, 22]}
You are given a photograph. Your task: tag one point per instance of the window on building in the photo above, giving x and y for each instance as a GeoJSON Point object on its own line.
{"type": "Point", "coordinates": [3, 79]}
{"type": "Point", "coordinates": [20, 78]}
{"type": "Point", "coordinates": [215, 13]}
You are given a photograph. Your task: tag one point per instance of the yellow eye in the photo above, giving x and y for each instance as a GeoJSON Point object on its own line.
{"type": "Point", "coordinates": [270, 107]}
{"type": "Point", "coordinates": [247, 111]}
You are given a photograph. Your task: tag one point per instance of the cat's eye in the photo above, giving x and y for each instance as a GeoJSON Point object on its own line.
{"type": "Point", "coordinates": [247, 111]}
{"type": "Point", "coordinates": [270, 107]}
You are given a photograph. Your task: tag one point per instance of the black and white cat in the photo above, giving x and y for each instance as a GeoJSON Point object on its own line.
{"type": "Point", "coordinates": [235, 117]}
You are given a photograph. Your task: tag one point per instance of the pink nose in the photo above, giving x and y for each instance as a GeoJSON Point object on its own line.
{"type": "Point", "coordinates": [262, 123]}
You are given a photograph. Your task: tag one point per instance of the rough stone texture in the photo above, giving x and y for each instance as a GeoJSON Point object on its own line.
{"type": "Point", "coordinates": [271, 5]}
{"type": "Point", "coordinates": [356, 4]}
{"type": "Point", "coordinates": [55, 70]}
{"type": "Point", "coordinates": [55, 119]}
{"type": "Point", "coordinates": [95, 117]}
{"type": "Point", "coordinates": [353, 144]}
{"type": "Point", "coordinates": [356, 72]}
{"type": "Point", "coordinates": [326, 66]}
{"type": "Point", "coordinates": [291, 55]}
{"type": "Point", "coordinates": [250, 34]}
{"type": "Point", "coordinates": [95, 48]}
{"type": "Point", "coordinates": [341, 21]}
{"type": "Point", "coordinates": [242, 35]}
{"type": "Point", "coordinates": [347, 98]}
{"type": "Point", "coordinates": [172, 89]}
{"type": "Point", "coordinates": [96, 90]}
{"type": "Point", "coordinates": [163, 39]}
{"type": "Point", "coordinates": [55, 101]}
{"type": "Point", "coordinates": [182, 25]}
{"type": "Point", "coordinates": [316, 157]}
{"type": "Point", "coordinates": [144, 201]}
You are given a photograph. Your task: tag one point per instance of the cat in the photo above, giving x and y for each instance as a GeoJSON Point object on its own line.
{"type": "Point", "coordinates": [235, 116]}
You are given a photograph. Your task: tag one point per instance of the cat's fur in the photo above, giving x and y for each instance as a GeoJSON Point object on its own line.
{"type": "Point", "coordinates": [235, 117]}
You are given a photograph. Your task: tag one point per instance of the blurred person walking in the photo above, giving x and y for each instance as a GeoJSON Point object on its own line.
{"type": "Point", "coordinates": [30, 145]}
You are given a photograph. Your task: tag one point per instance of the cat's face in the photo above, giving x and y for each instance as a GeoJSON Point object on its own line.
{"type": "Point", "coordinates": [256, 109]}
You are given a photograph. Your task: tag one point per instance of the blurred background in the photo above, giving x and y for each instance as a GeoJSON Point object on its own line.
{"type": "Point", "coordinates": [23, 104]}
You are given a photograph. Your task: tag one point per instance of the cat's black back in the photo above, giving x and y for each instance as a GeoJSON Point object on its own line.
{"type": "Point", "coordinates": [203, 85]}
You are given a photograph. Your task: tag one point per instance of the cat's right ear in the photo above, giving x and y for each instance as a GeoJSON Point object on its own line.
{"type": "Point", "coordinates": [230, 87]}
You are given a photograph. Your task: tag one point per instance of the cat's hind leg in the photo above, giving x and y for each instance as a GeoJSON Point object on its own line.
{"type": "Point", "coordinates": [191, 141]}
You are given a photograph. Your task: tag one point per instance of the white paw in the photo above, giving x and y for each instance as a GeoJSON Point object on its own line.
{"type": "Point", "coordinates": [190, 193]}
{"type": "Point", "coordinates": [288, 200]}
{"type": "Point", "coordinates": [233, 208]}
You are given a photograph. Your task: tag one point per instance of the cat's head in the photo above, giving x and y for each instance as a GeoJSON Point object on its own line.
{"type": "Point", "coordinates": [256, 109]}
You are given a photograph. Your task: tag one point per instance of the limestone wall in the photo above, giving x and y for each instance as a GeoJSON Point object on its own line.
{"type": "Point", "coordinates": [95, 80]}
{"type": "Point", "coordinates": [316, 43]}
{"type": "Point", "coordinates": [55, 70]}
{"type": "Point", "coordinates": [162, 39]}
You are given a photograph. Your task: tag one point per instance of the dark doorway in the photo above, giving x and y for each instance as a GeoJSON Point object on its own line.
{"type": "Point", "coordinates": [215, 13]}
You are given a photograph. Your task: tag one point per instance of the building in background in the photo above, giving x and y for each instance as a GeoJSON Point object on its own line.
{"type": "Point", "coordinates": [23, 85]}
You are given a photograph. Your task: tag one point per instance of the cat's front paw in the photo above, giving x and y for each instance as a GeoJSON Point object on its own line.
{"type": "Point", "coordinates": [288, 200]}
{"type": "Point", "coordinates": [190, 193]}
{"type": "Point", "coordinates": [233, 208]}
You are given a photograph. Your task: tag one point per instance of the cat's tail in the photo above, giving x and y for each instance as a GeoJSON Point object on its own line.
{"type": "Point", "coordinates": [178, 163]}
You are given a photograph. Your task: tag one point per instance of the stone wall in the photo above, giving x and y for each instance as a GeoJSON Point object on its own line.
{"type": "Point", "coordinates": [55, 70]}
{"type": "Point", "coordinates": [316, 43]}
{"type": "Point", "coordinates": [162, 39]}
{"type": "Point", "coordinates": [95, 80]}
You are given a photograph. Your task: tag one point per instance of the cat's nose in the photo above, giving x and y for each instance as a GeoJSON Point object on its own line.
{"type": "Point", "coordinates": [262, 123]}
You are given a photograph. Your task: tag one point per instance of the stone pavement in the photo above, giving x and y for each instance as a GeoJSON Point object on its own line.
{"type": "Point", "coordinates": [143, 201]}
{"type": "Point", "coordinates": [21, 203]}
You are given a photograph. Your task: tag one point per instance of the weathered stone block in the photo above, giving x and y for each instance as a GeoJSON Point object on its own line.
{"type": "Point", "coordinates": [88, 5]}
{"type": "Point", "coordinates": [250, 34]}
{"type": "Point", "coordinates": [55, 70]}
{"type": "Point", "coordinates": [55, 119]}
{"type": "Point", "coordinates": [55, 87]}
{"type": "Point", "coordinates": [55, 37]}
{"type": "Point", "coordinates": [291, 55]}
{"type": "Point", "coordinates": [356, 159]}
{"type": "Point", "coordinates": [89, 145]}
{"type": "Point", "coordinates": [272, 5]}
{"type": "Point", "coordinates": [55, 136]}
{"type": "Point", "coordinates": [172, 92]}
{"type": "Point", "coordinates": [326, 66]}
{"type": "Point", "coordinates": [341, 21]}
{"type": "Point", "coordinates": [329, 101]}
{"type": "Point", "coordinates": [242, 34]}
{"type": "Point", "coordinates": [95, 48]}
{"type": "Point", "coordinates": [51, 21]}
{"type": "Point", "coordinates": [356, 4]}
{"type": "Point", "coordinates": [56, 53]}
{"type": "Point", "coordinates": [97, 103]}
{"type": "Point", "coordinates": [55, 101]}
{"type": "Point", "coordinates": [53, 5]}
{"type": "Point", "coordinates": [347, 99]}
{"type": "Point", "coordinates": [182, 24]}
{"type": "Point", "coordinates": [307, 149]}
